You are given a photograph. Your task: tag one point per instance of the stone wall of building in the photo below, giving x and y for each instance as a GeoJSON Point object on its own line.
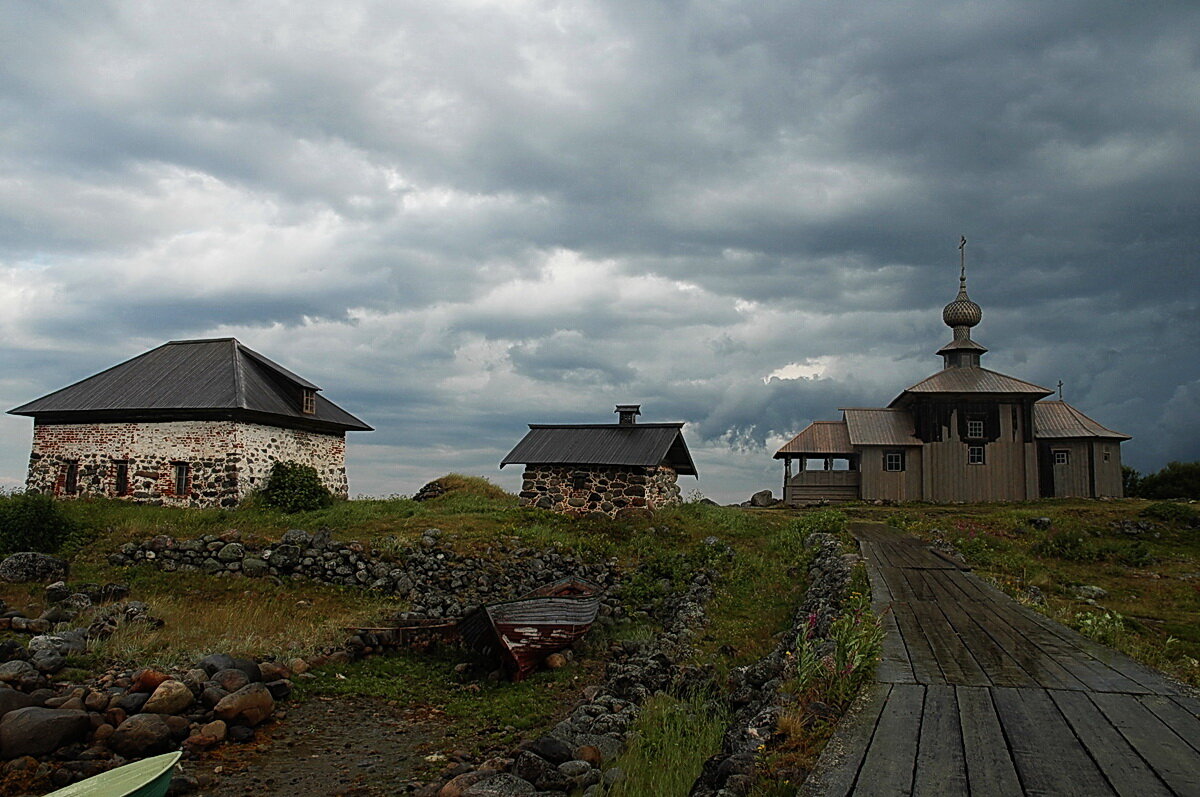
{"type": "Point", "coordinates": [580, 490]}
{"type": "Point", "coordinates": [261, 446]}
{"type": "Point", "coordinates": [225, 459]}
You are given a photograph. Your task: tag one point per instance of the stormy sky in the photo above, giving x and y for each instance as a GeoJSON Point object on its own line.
{"type": "Point", "coordinates": [462, 217]}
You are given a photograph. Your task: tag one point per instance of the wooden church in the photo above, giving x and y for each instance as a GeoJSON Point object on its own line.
{"type": "Point", "coordinates": [964, 434]}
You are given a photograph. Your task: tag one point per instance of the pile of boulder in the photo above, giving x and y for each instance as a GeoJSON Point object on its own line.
{"type": "Point", "coordinates": [64, 733]}
{"type": "Point", "coordinates": [439, 581]}
{"type": "Point", "coordinates": [755, 691]}
{"type": "Point", "coordinates": [576, 754]}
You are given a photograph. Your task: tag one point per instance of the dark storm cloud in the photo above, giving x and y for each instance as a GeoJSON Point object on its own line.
{"type": "Point", "coordinates": [460, 218]}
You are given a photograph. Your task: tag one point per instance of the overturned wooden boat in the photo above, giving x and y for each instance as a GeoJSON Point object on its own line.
{"type": "Point", "coordinates": [524, 631]}
{"type": "Point", "coordinates": [149, 777]}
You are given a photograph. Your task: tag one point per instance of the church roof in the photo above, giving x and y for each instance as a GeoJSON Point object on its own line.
{"type": "Point", "coordinates": [217, 377]}
{"type": "Point", "coordinates": [604, 444]}
{"type": "Point", "coordinates": [973, 379]}
{"type": "Point", "coordinates": [1058, 419]}
{"type": "Point", "coordinates": [880, 427]}
{"type": "Point", "coordinates": [820, 437]}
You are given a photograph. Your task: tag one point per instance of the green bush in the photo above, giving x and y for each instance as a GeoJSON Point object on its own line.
{"type": "Point", "coordinates": [32, 522]}
{"type": "Point", "coordinates": [825, 521]}
{"type": "Point", "coordinates": [1177, 480]}
{"type": "Point", "coordinates": [293, 487]}
{"type": "Point", "coordinates": [1071, 546]}
{"type": "Point", "coordinates": [1176, 514]}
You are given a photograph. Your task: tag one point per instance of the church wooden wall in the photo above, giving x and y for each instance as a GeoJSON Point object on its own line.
{"type": "Point", "coordinates": [902, 485]}
{"type": "Point", "coordinates": [1006, 474]}
{"type": "Point", "coordinates": [1108, 474]}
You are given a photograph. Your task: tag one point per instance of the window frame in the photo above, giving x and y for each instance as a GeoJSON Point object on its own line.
{"type": "Point", "coordinates": [184, 470]}
{"type": "Point", "coordinates": [71, 477]}
{"type": "Point", "coordinates": [1062, 456]}
{"type": "Point", "coordinates": [121, 477]}
{"type": "Point", "coordinates": [899, 459]}
{"type": "Point", "coordinates": [976, 423]}
{"type": "Point", "coordinates": [308, 402]}
{"type": "Point", "coordinates": [971, 455]}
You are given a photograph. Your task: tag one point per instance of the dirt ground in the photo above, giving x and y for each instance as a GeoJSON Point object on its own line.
{"type": "Point", "coordinates": [345, 746]}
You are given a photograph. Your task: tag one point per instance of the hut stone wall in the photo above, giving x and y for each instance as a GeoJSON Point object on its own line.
{"type": "Point", "coordinates": [575, 489]}
{"type": "Point", "coordinates": [225, 459]}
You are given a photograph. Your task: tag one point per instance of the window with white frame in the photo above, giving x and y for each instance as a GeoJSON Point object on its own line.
{"type": "Point", "coordinates": [1062, 457]}
{"type": "Point", "coordinates": [893, 461]}
{"type": "Point", "coordinates": [974, 455]}
{"type": "Point", "coordinates": [974, 428]}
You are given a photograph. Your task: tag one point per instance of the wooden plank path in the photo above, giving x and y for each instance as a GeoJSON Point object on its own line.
{"type": "Point", "coordinates": [978, 695]}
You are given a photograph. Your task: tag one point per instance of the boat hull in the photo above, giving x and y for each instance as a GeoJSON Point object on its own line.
{"type": "Point", "coordinates": [150, 777]}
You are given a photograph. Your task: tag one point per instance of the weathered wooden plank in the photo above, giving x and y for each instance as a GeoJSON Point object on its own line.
{"type": "Point", "coordinates": [888, 766]}
{"type": "Point", "coordinates": [920, 655]}
{"type": "Point", "coordinates": [1048, 757]}
{"type": "Point", "coordinates": [1122, 766]}
{"type": "Point", "coordinates": [956, 662]}
{"type": "Point", "coordinates": [1171, 758]}
{"type": "Point", "coordinates": [996, 663]}
{"type": "Point", "coordinates": [1138, 679]}
{"type": "Point", "coordinates": [1047, 669]}
{"type": "Point", "coordinates": [916, 583]}
{"type": "Point", "coordinates": [1185, 724]}
{"type": "Point", "coordinates": [881, 593]}
{"type": "Point", "coordinates": [897, 584]}
{"type": "Point", "coordinates": [941, 766]}
{"type": "Point", "coordinates": [842, 758]}
{"type": "Point", "coordinates": [990, 768]}
{"type": "Point", "coordinates": [894, 665]}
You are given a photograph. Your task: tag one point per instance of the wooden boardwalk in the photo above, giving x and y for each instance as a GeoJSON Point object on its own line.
{"type": "Point", "coordinates": [978, 695]}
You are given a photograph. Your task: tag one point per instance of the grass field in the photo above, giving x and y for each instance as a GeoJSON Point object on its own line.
{"type": "Point", "coordinates": [1151, 576]}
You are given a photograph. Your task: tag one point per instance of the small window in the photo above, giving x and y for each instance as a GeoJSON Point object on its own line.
{"type": "Point", "coordinates": [181, 478]}
{"type": "Point", "coordinates": [893, 461]}
{"type": "Point", "coordinates": [974, 455]}
{"type": "Point", "coordinates": [579, 480]}
{"type": "Point", "coordinates": [121, 477]}
{"type": "Point", "coordinates": [71, 478]}
{"type": "Point", "coordinates": [974, 428]}
{"type": "Point", "coordinates": [1062, 457]}
{"type": "Point", "coordinates": [310, 402]}
{"type": "Point", "coordinates": [1106, 453]}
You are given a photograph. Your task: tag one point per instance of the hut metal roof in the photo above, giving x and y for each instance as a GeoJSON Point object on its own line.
{"type": "Point", "coordinates": [820, 437]}
{"type": "Point", "coordinates": [1058, 419]}
{"type": "Point", "coordinates": [879, 427]}
{"type": "Point", "coordinates": [193, 378]}
{"type": "Point", "coordinates": [606, 444]}
{"type": "Point", "coordinates": [973, 379]}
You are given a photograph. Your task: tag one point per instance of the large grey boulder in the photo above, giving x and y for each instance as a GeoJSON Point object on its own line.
{"type": "Point", "coordinates": [37, 731]}
{"type": "Point", "coordinates": [29, 566]}
{"type": "Point", "coordinates": [15, 670]}
{"type": "Point", "coordinates": [11, 700]}
{"type": "Point", "coordinates": [762, 498]}
{"type": "Point", "coordinates": [141, 735]}
{"type": "Point", "coordinates": [501, 785]}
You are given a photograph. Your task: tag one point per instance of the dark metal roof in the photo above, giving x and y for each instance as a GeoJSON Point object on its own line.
{"type": "Point", "coordinates": [820, 437]}
{"type": "Point", "coordinates": [193, 379]}
{"type": "Point", "coordinates": [1058, 419]}
{"type": "Point", "coordinates": [972, 379]}
{"type": "Point", "coordinates": [880, 427]}
{"type": "Point", "coordinates": [640, 445]}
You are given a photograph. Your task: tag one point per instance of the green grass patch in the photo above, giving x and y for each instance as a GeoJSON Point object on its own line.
{"type": "Point", "coordinates": [670, 742]}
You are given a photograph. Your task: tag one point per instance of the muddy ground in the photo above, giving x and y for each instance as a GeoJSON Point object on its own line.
{"type": "Point", "coordinates": [327, 746]}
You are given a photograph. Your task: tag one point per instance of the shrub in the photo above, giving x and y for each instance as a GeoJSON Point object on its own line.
{"type": "Point", "coordinates": [1107, 628]}
{"type": "Point", "coordinates": [1177, 480]}
{"type": "Point", "coordinates": [293, 487]}
{"type": "Point", "coordinates": [32, 522]}
{"type": "Point", "coordinates": [825, 521]}
{"type": "Point", "coordinates": [1177, 514]}
{"type": "Point", "coordinates": [1071, 546]}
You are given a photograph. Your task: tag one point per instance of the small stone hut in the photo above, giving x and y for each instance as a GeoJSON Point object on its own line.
{"type": "Point", "coordinates": [190, 423]}
{"type": "Point", "coordinates": [602, 467]}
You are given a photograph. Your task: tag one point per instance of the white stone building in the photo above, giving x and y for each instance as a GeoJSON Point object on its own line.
{"type": "Point", "coordinates": [190, 423]}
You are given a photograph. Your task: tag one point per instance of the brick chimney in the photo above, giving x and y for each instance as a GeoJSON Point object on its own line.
{"type": "Point", "coordinates": [627, 413]}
